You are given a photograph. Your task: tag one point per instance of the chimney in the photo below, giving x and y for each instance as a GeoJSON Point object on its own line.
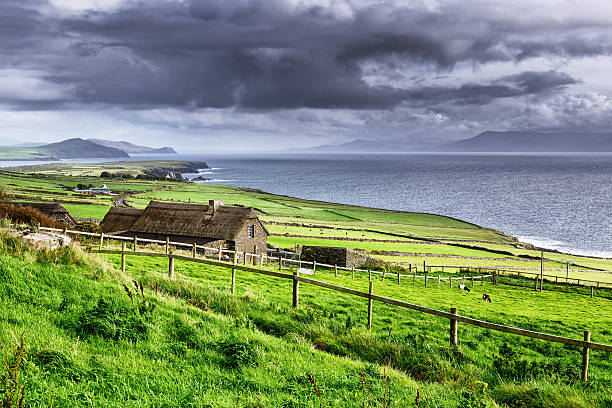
{"type": "Point", "coordinates": [214, 205]}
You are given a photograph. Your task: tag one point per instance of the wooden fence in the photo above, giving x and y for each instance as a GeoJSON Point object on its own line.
{"type": "Point", "coordinates": [453, 315]}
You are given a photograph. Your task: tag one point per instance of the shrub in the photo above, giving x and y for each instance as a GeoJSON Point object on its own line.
{"type": "Point", "coordinates": [20, 214]}
{"type": "Point", "coordinates": [110, 320]}
{"type": "Point", "coordinates": [239, 352]}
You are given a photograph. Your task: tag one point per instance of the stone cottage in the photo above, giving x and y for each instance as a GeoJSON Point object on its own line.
{"type": "Point", "coordinates": [213, 225]}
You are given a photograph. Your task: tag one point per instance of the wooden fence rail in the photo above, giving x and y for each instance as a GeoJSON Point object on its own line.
{"type": "Point", "coordinates": [261, 258]}
{"type": "Point", "coordinates": [454, 318]}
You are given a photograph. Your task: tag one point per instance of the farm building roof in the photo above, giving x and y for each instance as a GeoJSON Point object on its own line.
{"type": "Point", "coordinates": [188, 220]}
{"type": "Point", "coordinates": [119, 219]}
{"type": "Point", "coordinates": [53, 210]}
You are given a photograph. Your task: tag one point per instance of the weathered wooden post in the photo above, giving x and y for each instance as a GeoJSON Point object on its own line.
{"type": "Point", "coordinates": [220, 252]}
{"type": "Point", "coordinates": [541, 268]}
{"type": "Point", "coordinates": [591, 291]}
{"type": "Point", "coordinates": [425, 274]}
{"type": "Point", "coordinates": [438, 280]}
{"type": "Point", "coordinates": [424, 268]}
{"type": "Point", "coordinates": [472, 280]}
{"type": "Point", "coordinates": [123, 257]}
{"type": "Point", "coordinates": [535, 283]}
{"type": "Point", "coordinates": [384, 274]}
{"type": "Point", "coordinates": [585, 356]}
{"type": "Point", "coordinates": [336, 271]}
{"type": "Point", "coordinates": [234, 272]}
{"type": "Point", "coordinates": [567, 277]}
{"type": "Point", "coordinates": [353, 272]}
{"type": "Point", "coordinates": [296, 289]}
{"type": "Point", "coordinates": [101, 240]}
{"type": "Point", "coordinates": [398, 277]}
{"type": "Point", "coordinates": [371, 292]}
{"type": "Point", "coordinates": [261, 259]}
{"type": "Point", "coordinates": [314, 266]}
{"type": "Point", "coordinates": [369, 275]}
{"type": "Point", "coordinates": [453, 328]}
{"type": "Point", "coordinates": [280, 263]}
{"type": "Point", "coordinates": [495, 273]}
{"type": "Point", "coordinates": [463, 280]}
{"type": "Point", "coordinates": [244, 258]}
{"type": "Point", "coordinates": [65, 232]}
{"type": "Point", "coordinates": [170, 266]}
{"type": "Point", "coordinates": [193, 250]}
{"type": "Point", "coordinates": [167, 245]}
{"type": "Point", "coordinates": [135, 243]}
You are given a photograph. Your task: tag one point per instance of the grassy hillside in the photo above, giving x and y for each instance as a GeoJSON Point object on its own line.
{"type": "Point", "coordinates": [189, 343]}
{"type": "Point", "coordinates": [418, 237]}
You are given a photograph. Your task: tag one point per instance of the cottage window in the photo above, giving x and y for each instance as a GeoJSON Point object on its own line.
{"type": "Point", "coordinates": [251, 231]}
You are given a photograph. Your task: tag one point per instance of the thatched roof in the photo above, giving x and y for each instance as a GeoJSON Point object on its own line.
{"type": "Point", "coordinates": [119, 219]}
{"type": "Point", "coordinates": [53, 210]}
{"type": "Point", "coordinates": [193, 220]}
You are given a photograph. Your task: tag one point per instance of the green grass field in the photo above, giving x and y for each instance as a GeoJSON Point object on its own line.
{"type": "Point", "coordinates": [313, 220]}
{"type": "Point", "coordinates": [190, 343]}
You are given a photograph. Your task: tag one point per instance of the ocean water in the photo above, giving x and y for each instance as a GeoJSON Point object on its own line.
{"type": "Point", "coordinates": [560, 201]}
{"type": "Point", "coordinates": [557, 201]}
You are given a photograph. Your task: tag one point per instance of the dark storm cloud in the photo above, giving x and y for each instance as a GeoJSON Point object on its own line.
{"type": "Point", "coordinates": [267, 55]}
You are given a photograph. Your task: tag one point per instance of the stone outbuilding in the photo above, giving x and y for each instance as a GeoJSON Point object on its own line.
{"type": "Point", "coordinates": [213, 225]}
{"type": "Point", "coordinates": [346, 257]}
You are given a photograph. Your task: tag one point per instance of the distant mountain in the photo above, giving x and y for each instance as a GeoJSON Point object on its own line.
{"type": "Point", "coordinates": [491, 141]}
{"type": "Point", "coordinates": [132, 148]}
{"type": "Point", "coordinates": [370, 146]}
{"type": "Point", "coordinates": [80, 149]}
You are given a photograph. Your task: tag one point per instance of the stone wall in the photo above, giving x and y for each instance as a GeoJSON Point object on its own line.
{"type": "Point", "coordinates": [346, 257]}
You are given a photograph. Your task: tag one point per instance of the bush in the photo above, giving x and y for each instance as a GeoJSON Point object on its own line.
{"type": "Point", "coordinates": [110, 320]}
{"type": "Point", "coordinates": [20, 214]}
{"type": "Point", "coordinates": [239, 352]}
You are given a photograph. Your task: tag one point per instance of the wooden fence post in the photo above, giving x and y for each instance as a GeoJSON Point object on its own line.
{"type": "Point", "coordinates": [234, 272]}
{"type": "Point", "coordinates": [167, 245]}
{"type": "Point", "coordinates": [280, 263]}
{"type": "Point", "coordinates": [535, 283]}
{"type": "Point", "coordinates": [591, 291]}
{"type": "Point", "coordinates": [585, 356]}
{"type": "Point", "coordinates": [472, 280]}
{"type": "Point", "coordinates": [135, 243]}
{"type": "Point", "coordinates": [398, 277]}
{"type": "Point", "coordinates": [314, 266]}
{"type": "Point", "coordinates": [193, 255]}
{"type": "Point", "coordinates": [438, 280]}
{"type": "Point", "coordinates": [567, 277]}
{"type": "Point", "coordinates": [123, 257]}
{"type": "Point", "coordinates": [463, 280]}
{"type": "Point", "coordinates": [101, 240]}
{"type": "Point", "coordinates": [244, 258]}
{"type": "Point", "coordinates": [453, 328]}
{"type": "Point", "coordinates": [541, 268]}
{"type": "Point", "coordinates": [261, 259]}
{"type": "Point", "coordinates": [220, 252]}
{"type": "Point", "coordinates": [369, 275]}
{"type": "Point", "coordinates": [495, 277]}
{"type": "Point", "coordinates": [384, 274]}
{"type": "Point", "coordinates": [336, 271]}
{"type": "Point", "coordinates": [171, 267]}
{"type": "Point", "coordinates": [371, 292]}
{"type": "Point", "coordinates": [353, 272]}
{"type": "Point", "coordinates": [424, 268]}
{"type": "Point", "coordinates": [425, 274]}
{"type": "Point", "coordinates": [296, 289]}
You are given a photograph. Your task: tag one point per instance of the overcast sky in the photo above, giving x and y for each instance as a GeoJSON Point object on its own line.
{"type": "Point", "coordinates": [264, 74]}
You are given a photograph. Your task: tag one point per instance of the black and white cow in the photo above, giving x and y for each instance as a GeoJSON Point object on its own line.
{"type": "Point", "coordinates": [464, 287]}
{"type": "Point", "coordinates": [486, 298]}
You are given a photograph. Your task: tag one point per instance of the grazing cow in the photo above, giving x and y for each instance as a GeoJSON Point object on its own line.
{"type": "Point", "coordinates": [486, 298]}
{"type": "Point", "coordinates": [464, 287]}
